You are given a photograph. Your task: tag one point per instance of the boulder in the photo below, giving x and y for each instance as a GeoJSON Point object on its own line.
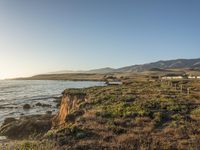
{"type": "Point", "coordinates": [26, 126]}
{"type": "Point", "coordinates": [26, 106]}
{"type": "Point", "coordinates": [42, 105]}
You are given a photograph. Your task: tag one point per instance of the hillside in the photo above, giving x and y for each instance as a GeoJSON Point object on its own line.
{"type": "Point", "coordinates": [168, 64]}
{"type": "Point", "coordinates": [100, 71]}
{"type": "Point", "coordinates": [160, 67]}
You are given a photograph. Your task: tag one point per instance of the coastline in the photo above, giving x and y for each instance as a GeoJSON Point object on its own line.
{"type": "Point", "coordinates": [66, 77]}
{"type": "Point", "coordinates": [34, 97]}
{"type": "Point", "coordinates": [119, 115]}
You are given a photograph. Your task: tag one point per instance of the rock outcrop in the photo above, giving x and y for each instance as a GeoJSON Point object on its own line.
{"type": "Point", "coordinates": [70, 103]}
{"type": "Point", "coordinates": [38, 125]}
{"type": "Point", "coordinates": [26, 126]}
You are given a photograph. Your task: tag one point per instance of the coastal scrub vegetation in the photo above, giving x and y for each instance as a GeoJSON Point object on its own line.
{"type": "Point", "coordinates": [138, 115]}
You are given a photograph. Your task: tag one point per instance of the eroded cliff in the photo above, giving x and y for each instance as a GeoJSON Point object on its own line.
{"type": "Point", "coordinates": [70, 102]}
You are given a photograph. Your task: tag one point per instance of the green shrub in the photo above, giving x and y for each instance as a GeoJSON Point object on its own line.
{"type": "Point", "coordinates": [122, 109]}
{"type": "Point", "coordinates": [117, 130]}
{"type": "Point", "coordinates": [81, 134]}
{"type": "Point", "coordinates": [177, 117]}
{"type": "Point", "coordinates": [33, 145]}
{"type": "Point", "coordinates": [195, 114]}
{"type": "Point", "coordinates": [153, 104]}
{"type": "Point", "coordinates": [196, 111]}
{"type": "Point", "coordinates": [104, 114]}
{"type": "Point", "coordinates": [160, 118]}
{"type": "Point", "coordinates": [177, 108]}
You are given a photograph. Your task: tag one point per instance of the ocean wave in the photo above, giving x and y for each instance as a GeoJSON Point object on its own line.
{"type": "Point", "coordinates": [15, 93]}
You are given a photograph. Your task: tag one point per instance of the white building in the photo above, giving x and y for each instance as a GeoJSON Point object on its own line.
{"type": "Point", "coordinates": [171, 77]}
{"type": "Point", "coordinates": [191, 77]}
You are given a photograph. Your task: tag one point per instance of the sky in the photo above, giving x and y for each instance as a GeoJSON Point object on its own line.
{"type": "Point", "coordinates": [39, 36]}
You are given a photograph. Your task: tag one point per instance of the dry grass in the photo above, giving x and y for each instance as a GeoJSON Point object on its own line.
{"type": "Point", "coordinates": [140, 115]}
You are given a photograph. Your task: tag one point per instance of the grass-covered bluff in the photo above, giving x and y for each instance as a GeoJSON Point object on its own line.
{"type": "Point", "coordinates": [135, 115]}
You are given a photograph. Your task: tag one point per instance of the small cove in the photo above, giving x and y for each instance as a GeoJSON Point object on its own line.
{"type": "Point", "coordinates": [15, 93]}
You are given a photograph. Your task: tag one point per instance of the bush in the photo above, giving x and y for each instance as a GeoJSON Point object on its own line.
{"type": "Point", "coordinates": [122, 109]}
{"type": "Point", "coordinates": [104, 114]}
{"type": "Point", "coordinates": [177, 117]}
{"type": "Point", "coordinates": [117, 130]}
{"type": "Point", "coordinates": [160, 118]}
{"type": "Point", "coordinates": [34, 145]}
{"type": "Point", "coordinates": [195, 114]}
{"type": "Point", "coordinates": [177, 108]}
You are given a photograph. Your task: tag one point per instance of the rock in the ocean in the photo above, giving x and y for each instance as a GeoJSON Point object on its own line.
{"type": "Point", "coordinates": [42, 105]}
{"type": "Point", "coordinates": [49, 112]}
{"type": "Point", "coordinates": [26, 106]}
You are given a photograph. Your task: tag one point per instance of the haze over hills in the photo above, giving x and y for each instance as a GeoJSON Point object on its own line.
{"type": "Point", "coordinates": [159, 65]}
{"type": "Point", "coordinates": [101, 70]}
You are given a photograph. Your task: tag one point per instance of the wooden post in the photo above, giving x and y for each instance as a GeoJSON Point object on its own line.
{"type": "Point", "coordinates": [188, 91]}
{"type": "Point", "coordinates": [181, 88]}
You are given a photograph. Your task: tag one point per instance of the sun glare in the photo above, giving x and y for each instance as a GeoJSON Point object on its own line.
{"type": "Point", "coordinates": [2, 76]}
{"type": "Point", "coordinates": [6, 76]}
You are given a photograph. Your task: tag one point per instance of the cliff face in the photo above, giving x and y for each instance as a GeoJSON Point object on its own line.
{"type": "Point", "coordinates": [70, 102]}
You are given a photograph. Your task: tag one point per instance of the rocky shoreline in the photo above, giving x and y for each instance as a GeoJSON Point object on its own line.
{"type": "Point", "coordinates": [26, 125]}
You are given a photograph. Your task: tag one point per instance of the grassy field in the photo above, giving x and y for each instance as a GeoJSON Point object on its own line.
{"type": "Point", "coordinates": [138, 115]}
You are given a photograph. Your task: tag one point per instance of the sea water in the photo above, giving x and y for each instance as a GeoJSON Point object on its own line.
{"type": "Point", "coordinates": [15, 93]}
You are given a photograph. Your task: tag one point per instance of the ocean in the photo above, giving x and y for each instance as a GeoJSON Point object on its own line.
{"type": "Point", "coordinates": [15, 93]}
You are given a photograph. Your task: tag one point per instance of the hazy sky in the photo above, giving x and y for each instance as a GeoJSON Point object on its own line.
{"type": "Point", "coordinates": [38, 36]}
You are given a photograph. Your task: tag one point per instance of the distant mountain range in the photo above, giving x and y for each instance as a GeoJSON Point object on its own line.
{"type": "Point", "coordinates": [101, 70]}
{"type": "Point", "coordinates": [168, 64]}
{"type": "Point", "coordinates": [154, 66]}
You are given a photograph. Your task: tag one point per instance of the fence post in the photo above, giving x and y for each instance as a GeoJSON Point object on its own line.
{"type": "Point", "coordinates": [181, 88]}
{"type": "Point", "coordinates": [188, 91]}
